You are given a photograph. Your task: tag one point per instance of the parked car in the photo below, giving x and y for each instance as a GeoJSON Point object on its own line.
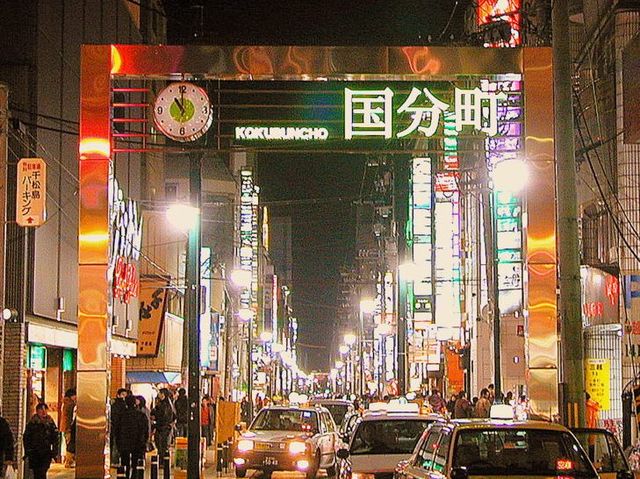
{"type": "Point", "coordinates": [288, 438]}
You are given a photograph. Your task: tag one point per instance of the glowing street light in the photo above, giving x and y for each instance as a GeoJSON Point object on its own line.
{"type": "Point", "coordinates": [411, 272]}
{"type": "Point", "coordinates": [367, 306]}
{"type": "Point", "coordinates": [242, 277]}
{"type": "Point", "coordinates": [510, 175]}
{"type": "Point", "coordinates": [344, 349]}
{"type": "Point", "coordinates": [339, 364]}
{"type": "Point", "coordinates": [183, 217]}
{"type": "Point", "coordinates": [245, 314]}
{"type": "Point", "coordinates": [266, 336]}
{"type": "Point", "coordinates": [350, 339]}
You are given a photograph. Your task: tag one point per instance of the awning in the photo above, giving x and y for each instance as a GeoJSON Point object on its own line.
{"type": "Point", "coordinates": [153, 377]}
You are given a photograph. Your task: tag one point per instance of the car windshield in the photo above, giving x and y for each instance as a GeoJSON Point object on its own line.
{"type": "Point", "coordinates": [286, 420]}
{"type": "Point", "coordinates": [395, 436]}
{"type": "Point", "coordinates": [338, 411]}
{"type": "Point", "coordinates": [517, 452]}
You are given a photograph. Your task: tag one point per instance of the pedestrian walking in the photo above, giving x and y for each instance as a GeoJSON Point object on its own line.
{"type": "Point", "coordinates": [483, 407]}
{"type": "Point", "coordinates": [244, 410]}
{"type": "Point", "coordinates": [492, 392]}
{"type": "Point", "coordinates": [67, 423]}
{"type": "Point", "coordinates": [7, 446]}
{"type": "Point", "coordinates": [463, 407]}
{"type": "Point", "coordinates": [437, 402]}
{"type": "Point", "coordinates": [164, 419]}
{"type": "Point", "coordinates": [118, 407]}
{"type": "Point", "coordinates": [182, 413]}
{"type": "Point", "coordinates": [40, 441]}
{"type": "Point", "coordinates": [141, 403]}
{"type": "Point", "coordinates": [132, 436]}
{"type": "Point", "coordinates": [205, 420]}
{"type": "Point", "coordinates": [451, 405]}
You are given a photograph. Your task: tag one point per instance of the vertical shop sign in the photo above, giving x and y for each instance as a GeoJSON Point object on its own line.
{"type": "Point", "coordinates": [31, 198]}
{"type": "Point", "coordinates": [597, 374]}
{"type": "Point", "coordinates": [153, 303]}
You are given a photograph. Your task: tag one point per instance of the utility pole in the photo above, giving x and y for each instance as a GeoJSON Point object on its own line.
{"type": "Point", "coordinates": [572, 352]}
{"type": "Point", "coordinates": [193, 318]}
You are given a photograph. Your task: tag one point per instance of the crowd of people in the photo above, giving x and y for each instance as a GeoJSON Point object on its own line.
{"type": "Point", "coordinates": [459, 406]}
{"type": "Point", "coordinates": [137, 430]}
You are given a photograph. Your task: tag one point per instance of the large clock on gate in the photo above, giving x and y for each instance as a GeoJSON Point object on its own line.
{"type": "Point", "coordinates": [182, 111]}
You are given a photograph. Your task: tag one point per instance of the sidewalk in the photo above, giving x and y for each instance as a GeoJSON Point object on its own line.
{"type": "Point", "coordinates": [58, 471]}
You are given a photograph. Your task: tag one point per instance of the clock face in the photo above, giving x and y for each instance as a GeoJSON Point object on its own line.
{"type": "Point", "coordinates": [182, 111]}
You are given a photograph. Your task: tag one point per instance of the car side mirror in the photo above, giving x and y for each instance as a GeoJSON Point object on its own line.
{"type": "Point", "coordinates": [624, 475]}
{"type": "Point", "coordinates": [342, 453]}
{"type": "Point", "coordinates": [459, 473]}
{"type": "Point", "coordinates": [239, 427]}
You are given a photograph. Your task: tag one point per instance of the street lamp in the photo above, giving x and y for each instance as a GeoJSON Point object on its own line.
{"type": "Point", "coordinates": [344, 349]}
{"type": "Point", "coordinates": [507, 176]}
{"type": "Point", "coordinates": [187, 218]}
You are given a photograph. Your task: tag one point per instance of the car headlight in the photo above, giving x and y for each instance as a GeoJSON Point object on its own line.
{"type": "Point", "coordinates": [245, 445]}
{"type": "Point", "coordinates": [297, 447]}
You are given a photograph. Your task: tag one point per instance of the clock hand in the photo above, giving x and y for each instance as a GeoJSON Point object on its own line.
{"type": "Point", "coordinates": [180, 105]}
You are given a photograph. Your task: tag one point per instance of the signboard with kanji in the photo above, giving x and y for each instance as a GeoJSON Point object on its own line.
{"type": "Point", "coordinates": [31, 198]}
{"type": "Point", "coordinates": [153, 303]}
{"type": "Point", "coordinates": [596, 378]}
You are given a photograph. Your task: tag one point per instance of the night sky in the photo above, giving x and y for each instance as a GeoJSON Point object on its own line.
{"type": "Point", "coordinates": [315, 190]}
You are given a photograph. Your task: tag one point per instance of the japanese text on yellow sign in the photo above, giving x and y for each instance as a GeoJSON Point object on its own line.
{"type": "Point", "coordinates": [597, 374]}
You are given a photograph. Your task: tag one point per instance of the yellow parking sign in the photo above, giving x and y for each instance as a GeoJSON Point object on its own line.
{"type": "Point", "coordinates": [596, 378]}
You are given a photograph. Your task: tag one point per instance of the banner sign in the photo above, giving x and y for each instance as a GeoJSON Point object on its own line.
{"type": "Point", "coordinates": [31, 198]}
{"type": "Point", "coordinates": [596, 378]}
{"type": "Point", "coordinates": [153, 304]}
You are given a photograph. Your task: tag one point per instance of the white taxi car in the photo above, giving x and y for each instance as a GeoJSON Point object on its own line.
{"type": "Point", "coordinates": [384, 436]}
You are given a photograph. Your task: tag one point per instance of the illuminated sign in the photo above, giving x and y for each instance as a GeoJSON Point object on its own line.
{"type": "Point", "coordinates": [492, 11]}
{"type": "Point", "coordinates": [507, 145]}
{"type": "Point", "coordinates": [369, 113]}
{"type": "Point", "coordinates": [597, 375]}
{"type": "Point", "coordinates": [281, 133]}
{"type": "Point", "coordinates": [153, 303]}
{"type": "Point", "coordinates": [248, 235]}
{"type": "Point", "coordinates": [126, 241]}
{"type": "Point", "coordinates": [31, 197]}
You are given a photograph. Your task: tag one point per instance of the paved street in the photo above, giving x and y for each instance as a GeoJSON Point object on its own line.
{"type": "Point", "coordinates": [57, 471]}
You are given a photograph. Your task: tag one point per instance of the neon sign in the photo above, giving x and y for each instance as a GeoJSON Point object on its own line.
{"type": "Point", "coordinates": [369, 113]}
{"type": "Point", "coordinates": [126, 228]}
{"type": "Point", "coordinates": [248, 239]}
{"type": "Point", "coordinates": [280, 133]}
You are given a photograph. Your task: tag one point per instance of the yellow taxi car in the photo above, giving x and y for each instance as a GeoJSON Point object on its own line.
{"type": "Point", "coordinates": [492, 448]}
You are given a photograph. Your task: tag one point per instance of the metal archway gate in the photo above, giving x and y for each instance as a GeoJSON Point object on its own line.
{"type": "Point", "coordinates": [103, 64]}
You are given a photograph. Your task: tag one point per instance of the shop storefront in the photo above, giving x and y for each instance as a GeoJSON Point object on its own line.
{"type": "Point", "coordinates": [603, 344]}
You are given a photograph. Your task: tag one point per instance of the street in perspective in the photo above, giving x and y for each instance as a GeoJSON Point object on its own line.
{"type": "Point", "coordinates": [304, 239]}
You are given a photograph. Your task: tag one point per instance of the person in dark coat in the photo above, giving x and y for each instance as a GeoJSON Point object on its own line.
{"type": "Point", "coordinates": [141, 403]}
{"type": "Point", "coordinates": [67, 423]}
{"type": "Point", "coordinates": [463, 408]}
{"type": "Point", "coordinates": [118, 407]}
{"type": "Point", "coordinates": [164, 418]}
{"type": "Point", "coordinates": [40, 441]}
{"type": "Point", "coordinates": [7, 446]}
{"type": "Point", "coordinates": [182, 412]}
{"type": "Point", "coordinates": [132, 435]}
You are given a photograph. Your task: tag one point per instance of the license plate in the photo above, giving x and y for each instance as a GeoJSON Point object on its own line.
{"type": "Point", "coordinates": [270, 461]}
